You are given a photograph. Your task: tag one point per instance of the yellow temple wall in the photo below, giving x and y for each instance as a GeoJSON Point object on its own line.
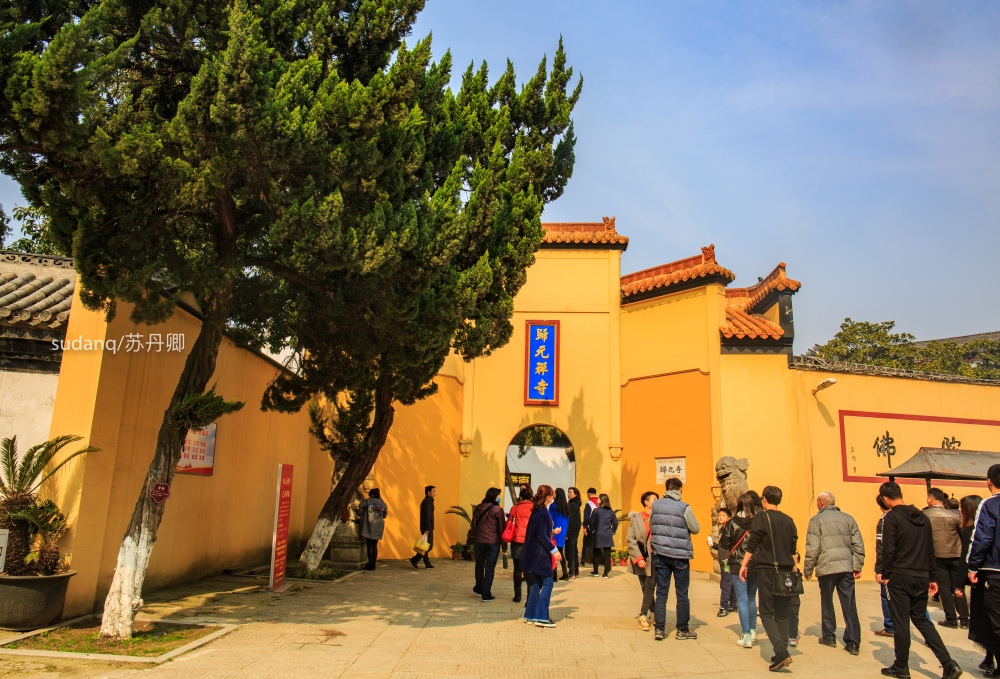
{"type": "Point", "coordinates": [807, 444]}
{"type": "Point", "coordinates": [668, 416]}
{"type": "Point", "coordinates": [670, 358]}
{"type": "Point", "coordinates": [578, 288]}
{"type": "Point", "coordinates": [422, 450]}
{"type": "Point", "coordinates": [116, 402]}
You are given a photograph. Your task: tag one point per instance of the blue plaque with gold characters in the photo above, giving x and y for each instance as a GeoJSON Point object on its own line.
{"type": "Point", "coordinates": [541, 364]}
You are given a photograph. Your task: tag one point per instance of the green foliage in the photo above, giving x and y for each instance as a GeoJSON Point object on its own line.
{"type": "Point", "coordinates": [194, 411]}
{"type": "Point", "coordinates": [876, 344]}
{"type": "Point", "coordinates": [45, 521]}
{"type": "Point", "coordinates": [21, 478]}
{"type": "Point", "coordinates": [299, 154]}
{"type": "Point", "coordinates": [461, 511]}
{"type": "Point", "coordinates": [981, 359]}
{"type": "Point", "coordinates": [321, 573]}
{"type": "Point", "coordinates": [36, 239]}
{"type": "Point", "coordinates": [539, 435]}
{"type": "Point", "coordinates": [871, 344]}
{"type": "Point", "coordinates": [46, 524]}
{"type": "Point", "coordinates": [21, 513]}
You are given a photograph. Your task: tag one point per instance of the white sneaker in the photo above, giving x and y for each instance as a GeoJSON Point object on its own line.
{"type": "Point", "coordinates": [747, 642]}
{"type": "Point", "coordinates": [753, 636]}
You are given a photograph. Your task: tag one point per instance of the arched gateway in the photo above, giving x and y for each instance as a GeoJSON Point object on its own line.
{"type": "Point", "coordinates": [539, 454]}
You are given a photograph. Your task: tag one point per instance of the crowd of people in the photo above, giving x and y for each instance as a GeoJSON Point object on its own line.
{"type": "Point", "coordinates": [950, 549]}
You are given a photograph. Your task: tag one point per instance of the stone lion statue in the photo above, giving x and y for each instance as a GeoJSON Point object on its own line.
{"type": "Point", "coordinates": [731, 474]}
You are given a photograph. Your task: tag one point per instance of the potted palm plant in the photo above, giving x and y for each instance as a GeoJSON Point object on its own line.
{"type": "Point", "coordinates": [33, 581]}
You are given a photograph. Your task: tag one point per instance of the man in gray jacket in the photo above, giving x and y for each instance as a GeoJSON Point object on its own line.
{"type": "Point", "coordinates": [671, 524]}
{"type": "Point", "coordinates": [836, 552]}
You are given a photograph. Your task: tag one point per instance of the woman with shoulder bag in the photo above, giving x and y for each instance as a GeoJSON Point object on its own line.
{"type": "Point", "coordinates": [537, 557]}
{"type": "Point", "coordinates": [732, 547]}
{"type": "Point", "coordinates": [771, 549]}
{"type": "Point", "coordinates": [640, 561]}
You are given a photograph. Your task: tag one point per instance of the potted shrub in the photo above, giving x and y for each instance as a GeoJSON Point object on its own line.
{"type": "Point", "coordinates": [458, 510]}
{"type": "Point", "coordinates": [456, 551]}
{"type": "Point", "coordinates": [467, 552]}
{"type": "Point", "coordinates": [34, 580]}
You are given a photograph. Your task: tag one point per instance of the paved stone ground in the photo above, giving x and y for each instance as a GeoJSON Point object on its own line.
{"type": "Point", "coordinates": [401, 623]}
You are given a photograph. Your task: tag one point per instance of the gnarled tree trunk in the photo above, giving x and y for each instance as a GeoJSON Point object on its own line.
{"type": "Point", "coordinates": [125, 596]}
{"type": "Point", "coordinates": [354, 473]}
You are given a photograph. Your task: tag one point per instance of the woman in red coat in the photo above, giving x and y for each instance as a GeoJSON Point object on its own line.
{"type": "Point", "coordinates": [519, 514]}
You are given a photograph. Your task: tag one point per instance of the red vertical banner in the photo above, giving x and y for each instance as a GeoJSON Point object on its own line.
{"type": "Point", "coordinates": [282, 515]}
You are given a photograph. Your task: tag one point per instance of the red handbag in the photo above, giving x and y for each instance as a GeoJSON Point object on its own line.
{"type": "Point", "coordinates": [509, 530]}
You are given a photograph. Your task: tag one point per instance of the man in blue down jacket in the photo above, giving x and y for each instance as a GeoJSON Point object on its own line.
{"type": "Point", "coordinates": [984, 552]}
{"type": "Point", "coordinates": [671, 525]}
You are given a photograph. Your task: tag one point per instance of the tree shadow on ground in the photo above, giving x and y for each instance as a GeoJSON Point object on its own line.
{"type": "Point", "coordinates": [394, 592]}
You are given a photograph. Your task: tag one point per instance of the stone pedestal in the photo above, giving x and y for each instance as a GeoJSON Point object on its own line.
{"type": "Point", "coordinates": [347, 548]}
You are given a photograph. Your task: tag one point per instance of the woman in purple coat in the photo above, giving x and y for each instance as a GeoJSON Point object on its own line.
{"type": "Point", "coordinates": [538, 557]}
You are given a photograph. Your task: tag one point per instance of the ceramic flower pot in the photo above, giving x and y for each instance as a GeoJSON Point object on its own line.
{"type": "Point", "coordinates": [30, 602]}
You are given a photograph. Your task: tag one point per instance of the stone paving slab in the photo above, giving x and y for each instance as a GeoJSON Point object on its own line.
{"type": "Point", "coordinates": [400, 623]}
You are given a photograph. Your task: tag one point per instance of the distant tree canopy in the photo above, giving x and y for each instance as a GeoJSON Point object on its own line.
{"type": "Point", "coordinates": [876, 344]}
{"type": "Point", "coordinates": [36, 238]}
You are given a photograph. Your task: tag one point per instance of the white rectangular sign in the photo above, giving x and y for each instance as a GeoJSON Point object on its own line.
{"type": "Point", "coordinates": [669, 467]}
{"type": "Point", "coordinates": [3, 546]}
{"type": "Point", "coordinates": [198, 454]}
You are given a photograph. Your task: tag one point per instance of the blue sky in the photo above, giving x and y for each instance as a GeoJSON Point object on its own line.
{"type": "Point", "coordinates": [859, 142]}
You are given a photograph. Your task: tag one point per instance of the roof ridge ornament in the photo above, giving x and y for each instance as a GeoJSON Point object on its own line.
{"type": "Point", "coordinates": [609, 223]}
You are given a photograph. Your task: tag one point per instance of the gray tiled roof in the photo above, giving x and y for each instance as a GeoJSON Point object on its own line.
{"type": "Point", "coordinates": [962, 339]}
{"type": "Point", "coordinates": [36, 291]}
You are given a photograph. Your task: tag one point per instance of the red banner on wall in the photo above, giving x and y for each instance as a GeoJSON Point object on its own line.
{"type": "Point", "coordinates": [282, 515]}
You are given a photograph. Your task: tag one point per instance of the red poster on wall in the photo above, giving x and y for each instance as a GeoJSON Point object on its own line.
{"type": "Point", "coordinates": [279, 538]}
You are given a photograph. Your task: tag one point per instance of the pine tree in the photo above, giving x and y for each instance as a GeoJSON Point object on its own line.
{"type": "Point", "coordinates": [307, 175]}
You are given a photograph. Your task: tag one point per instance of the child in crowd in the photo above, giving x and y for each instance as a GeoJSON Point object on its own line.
{"type": "Point", "coordinates": [727, 596]}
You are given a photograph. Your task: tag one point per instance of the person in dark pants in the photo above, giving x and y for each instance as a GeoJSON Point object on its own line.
{"type": "Point", "coordinates": [671, 525]}
{"type": "Point", "coordinates": [727, 592]}
{"type": "Point", "coordinates": [984, 561]}
{"type": "Point", "coordinates": [426, 525]}
{"type": "Point", "coordinates": [573, 533]}
{"type": "Point", "coordinates": [603, 524]}
{"type": "Point", "coordinates": [906, 567]}
{"type": "Point", "coordinates": [559, 510]}
{"type": "Point", "coordinates": [640, 559]}
{"type": "Point", "coordinates": [537, 556]}
{"type": "Point", "coordinates": [836, 552]}
{"type": "Point", "coordinates": [946, 527]}
{"type": "Point", "coordinates": [373, 511]}
{"type": "Point", "coordinates": [773, 537]}
{"type": "Point", "coordinates": [588, 540]}
{"type": "Point", "coordinates": [487, 531]}
{"type": "Point", "coordinates": [520, 514]}
{"type": "Point", "coordinates": [980, 630]}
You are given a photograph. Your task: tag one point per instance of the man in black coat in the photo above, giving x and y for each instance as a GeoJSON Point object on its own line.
{"type": "Point", "coordinates": [426, 525]}
{"type": "Point", "coordinates": [905, 568]}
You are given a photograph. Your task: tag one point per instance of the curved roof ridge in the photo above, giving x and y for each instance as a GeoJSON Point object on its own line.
{"type": "Point", "coordinates": [602, 233]}
{"type": "Point", "coordinates": [672, 273]}
{"type": "Point", "coordinates": [748, 298]}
